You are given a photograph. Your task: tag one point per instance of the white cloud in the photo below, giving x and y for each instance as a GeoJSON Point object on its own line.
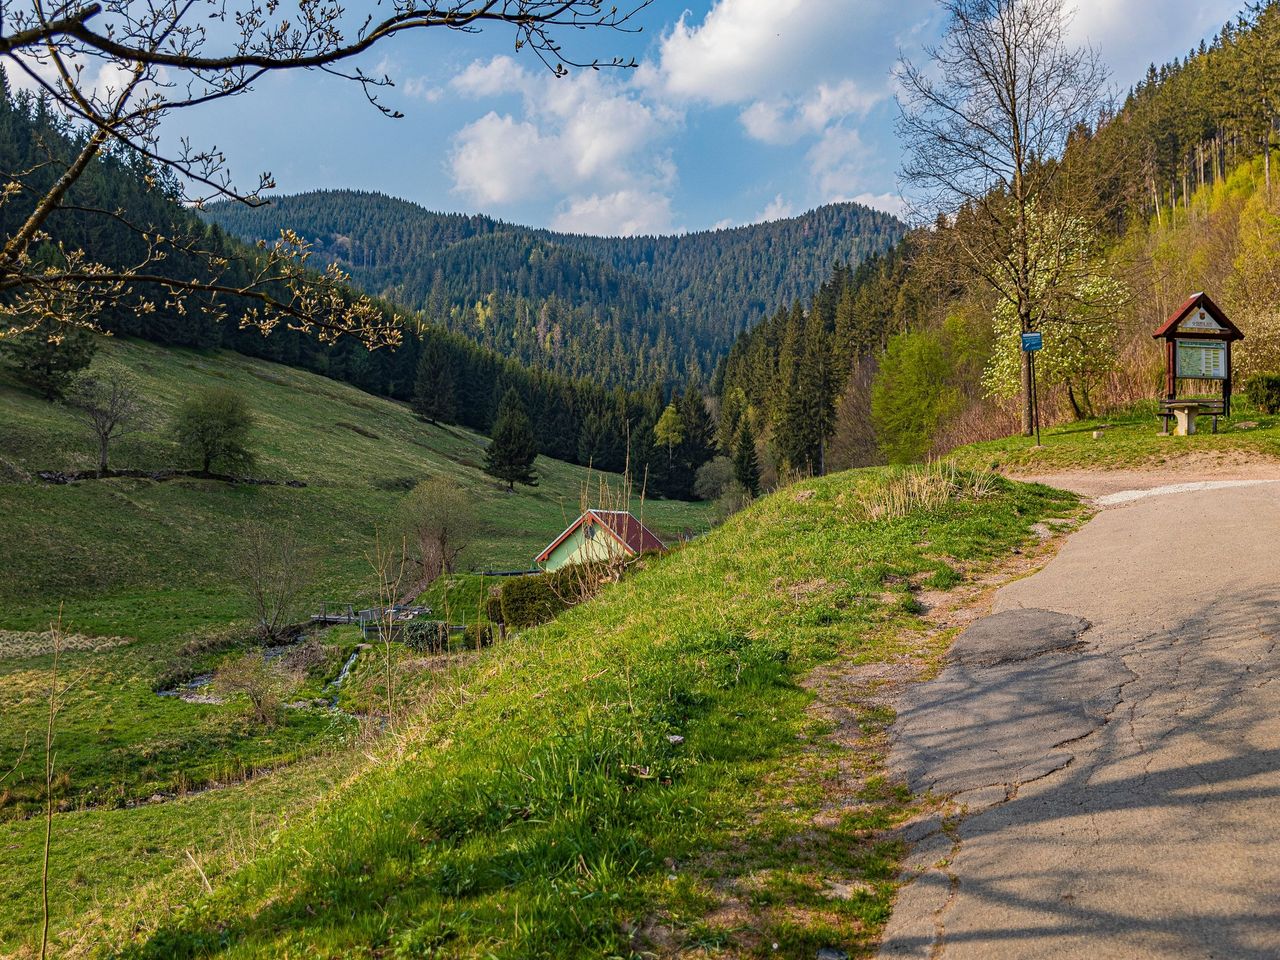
{"type": "Point", "coordinates": [777, 209]}
{"type": "Point", "coordinates": [621, 213]}
{"type": "Point", "coordinates": [781, 121]}
{"type": "Point", "coordinates": [495, 158]}
{"type": "Point", "coordinates": [746, 49]}
{"type": "Point", "coordinates": [839, 163]}
{"type": "Point", "coordinates": [1130, 34]}
{"type": "Point", "coordinates": [799, 72]}
{"type": "Point", "coordinates": [420, 88]}
{"type": "Point", "coordinates": [586, 139]}
{"type": "Point", "coordinates": [96, 78]}
{"type": "Point", "coordinates": [490, 78]}
{"type": "Point", "coordinates": [888, 202]}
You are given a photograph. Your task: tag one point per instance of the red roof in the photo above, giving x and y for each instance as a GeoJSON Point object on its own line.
{"type": "Point", "coordinates": [620, 524]}
{"type": "Point", "coordinates": [1198, 301]}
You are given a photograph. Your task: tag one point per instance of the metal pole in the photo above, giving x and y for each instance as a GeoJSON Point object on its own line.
{"type": "Point", "coordinates": [1035, 397]}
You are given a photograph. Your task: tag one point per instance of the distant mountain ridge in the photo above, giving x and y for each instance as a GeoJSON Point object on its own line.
{"type": "Point", "coordinates": [620, 310]}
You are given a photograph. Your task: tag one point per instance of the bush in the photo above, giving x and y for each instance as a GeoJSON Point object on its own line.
{"type": "Point", "coordinates": [1263, 391]}
{"type": "Point", "coordinates": [529, 601]}
{"type": "Point", "coordinates": [264, 683]}
{"type": "Point", "coordinates": [425, 636]}
{"type": "Point", "coordinates": [714, 477]}
{"type": "Point", "coordinates": [477, 635]}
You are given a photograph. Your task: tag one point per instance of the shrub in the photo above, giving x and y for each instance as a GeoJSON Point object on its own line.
{"type": "Point", "coordinates": [265, 684]}
{"type": "Point", "coordinates": [713, 478]}
{"type": "Point", "coordinates": [1263, 391]}
{"type": "Point", "coordinates": [529, 601]}
{"type": "Point", "coordinates": [425, 636]}
{"type": "Point", "coordinates": [477, 635]}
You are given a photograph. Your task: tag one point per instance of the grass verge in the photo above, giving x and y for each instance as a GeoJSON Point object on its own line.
{"type": "Point", "coordinates": [1126, 439]}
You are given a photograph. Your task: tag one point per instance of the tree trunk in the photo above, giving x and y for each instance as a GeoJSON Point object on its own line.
{"type": "Point", "coordinates": [1266, 158]}
{"type": "Point", "coordinates": [102, 457]}
{"type": "Point", "coordinates": [1075, 406]}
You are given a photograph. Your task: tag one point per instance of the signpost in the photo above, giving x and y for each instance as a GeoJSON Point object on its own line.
{"type": "Point", "coordinates": [1197, 347]}
{"type": "Point", "coordinates": [1033, 342]}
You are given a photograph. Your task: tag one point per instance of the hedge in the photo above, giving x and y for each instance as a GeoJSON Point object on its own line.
{"type": "Point", "coordinates": [1263, 391]}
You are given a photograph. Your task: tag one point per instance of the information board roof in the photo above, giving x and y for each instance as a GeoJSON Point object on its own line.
{"type": "Point", "coordinates": [1198, 301]}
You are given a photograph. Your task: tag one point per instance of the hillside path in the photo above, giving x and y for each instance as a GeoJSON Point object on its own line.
{"type": "Point", "coordinates": [1111, 736]}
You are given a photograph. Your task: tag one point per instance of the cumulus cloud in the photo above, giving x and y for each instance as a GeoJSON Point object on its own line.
{"type": "Point", "coordinates": [99, 79]}
{"type": "Point", "coordinates": [888, 202]}
{"type": "Point", "coordinates": [799, 72]}
{"type": "Point", "coordinates": [621, 213]}
{"type": "Point", "coordinates": [1169, 28]}
{"type": "Point", "coordinates": [487, 78]}
{"type": "Point", "coordinates": [746, 49]}
{"type": "Point", "coordinates": [838, 162]}
{"type": "Point", "coordinates": [777, 209]}
{"type": "Point", "coordinates": [589, 140]}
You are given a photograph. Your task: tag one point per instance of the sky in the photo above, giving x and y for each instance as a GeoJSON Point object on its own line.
{"type": "Point", "coordinates": [739, 111]}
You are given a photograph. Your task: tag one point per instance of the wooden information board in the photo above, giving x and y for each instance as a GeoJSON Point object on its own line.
{"type": "Point", "coordinates": [1202, 359]}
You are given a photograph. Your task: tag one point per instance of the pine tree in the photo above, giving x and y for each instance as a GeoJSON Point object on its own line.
{"type": "Point", "coordinates": [513, 448]}
{"type": "Point", "coordinates": [746, 465]}
{"type": "Point", "coordinates": [434, 390]}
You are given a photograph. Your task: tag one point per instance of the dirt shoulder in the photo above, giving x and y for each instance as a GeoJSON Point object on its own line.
{"type": "Point", "coordinates": [1191, 468]}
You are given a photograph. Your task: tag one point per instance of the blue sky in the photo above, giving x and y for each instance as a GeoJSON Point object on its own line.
{"type": "Point", "coordinates": [741, 110]}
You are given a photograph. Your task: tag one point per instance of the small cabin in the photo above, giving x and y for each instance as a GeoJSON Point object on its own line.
{"type": "Point", "coordinates": [598, 535]}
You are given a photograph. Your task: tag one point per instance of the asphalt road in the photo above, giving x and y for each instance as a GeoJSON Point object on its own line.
{"type": "Point", "coordinates": [1111, 736]}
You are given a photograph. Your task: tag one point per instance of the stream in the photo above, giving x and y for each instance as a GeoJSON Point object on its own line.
{"type": "Point", "coordinates": [193, 690]}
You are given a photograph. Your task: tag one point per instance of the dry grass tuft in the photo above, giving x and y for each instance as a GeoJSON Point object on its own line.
{"type": "Point", "coordinates": [926, 487]}
{"type": "Point", "coordinates": [32, 643]}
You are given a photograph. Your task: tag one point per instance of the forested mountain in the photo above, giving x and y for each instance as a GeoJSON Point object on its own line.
{"type": "Point", "coordinates": [898, 359]}
{"type": "Point", "coordinates": [446, 376]}
{"type": "Point", "coordinates": [628, 311]}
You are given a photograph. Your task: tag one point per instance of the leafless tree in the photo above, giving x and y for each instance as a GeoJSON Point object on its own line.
{"type": "Point", "coordinates": [109, 405]}
{"type": "Point", "coordinates": [120, 68]}
{"type": "Point", "coordinates": [265, 684]}
{"type": "Point", "coordinates": [389, 564]}
{"type": "Point", "coordinates": [985, 124]}
{"type": "Point", "coordinates": [272, 568]}
{"type": "Point", "coordinates": [439, 522]}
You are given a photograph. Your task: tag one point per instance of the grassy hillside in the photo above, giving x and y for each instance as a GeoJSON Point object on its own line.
{"type": "Point", "coordinates": [646, 773]}
{"type": "Point", "coordinates": [142, 573]}
{"type": "Point", "coordinates": [141, 559]}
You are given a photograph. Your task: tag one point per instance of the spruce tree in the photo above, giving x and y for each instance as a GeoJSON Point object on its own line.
{"type": "Point", "coordinates": [48, 357]}
{"type": "Point", "coordinates": [746, 465]}
{"type": "Point", "coordinates": [806, 409]}
{"type": "Point", "coordinates": [513, 447]}
{"type": "Point", "coordinates": [434, 390]}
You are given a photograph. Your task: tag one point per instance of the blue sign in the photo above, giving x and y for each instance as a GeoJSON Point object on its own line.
{"type": "Point", "coordinates": [1031, 342]}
